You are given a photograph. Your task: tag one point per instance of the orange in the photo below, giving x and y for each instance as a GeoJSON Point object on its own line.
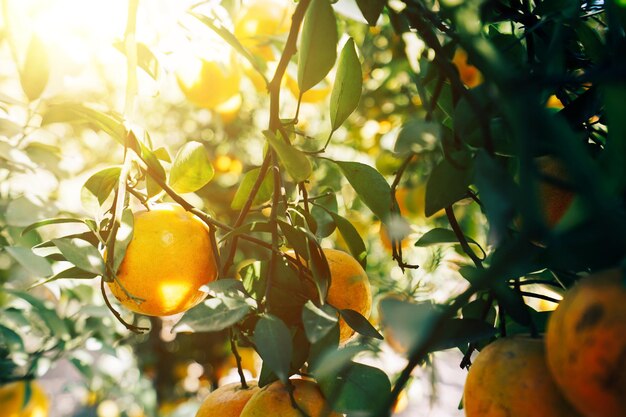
{"type": "Point", "coordinates": [586, 345]}
{"type": "Point", "coordinates": [273, 400]}
{"type": "Point", "coordinates": [349, 288]}
{"type": "Point", "coordinates": [510, 378]}
{"type": "Point", "coordinates": [261, 23]}
{"type": "Point", "coordinates": [554, 199]}
{"type": "Point", "coordinates": [470, 75]}
{"type": "Point", "coordinates": [167, 261]}
{"type": "Point", "coordinates": [208, 84]}
{"type": "Point", "coordinates": [12, 400]}
{"type": "Point", "coordinates": [314, 95]}
{"type": "Point", "coordinates": [227, 401]}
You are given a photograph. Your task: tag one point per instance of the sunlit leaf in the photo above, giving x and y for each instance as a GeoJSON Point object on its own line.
{"type": "Point", "coordinates": [294, 160]}
{"type": "Point", "coordinates": [245, 188]}
{"type": "Point", "coordinates": [123, 238]}
{"type": "Point", "coordinates": [214, 315]}
{"type": "Point", "coordinates": [46, 222]}
{"type": "Point", "coordinates": [348, 84]}
{"type": "Point", "coordinates": [110, 123]}
{"type": "Point", "coordinates": [418, 136]}
{"type": "Point", "coordinates": [99, 186]}
{"type": "Point", "coordinates": [191, 169]}
{"type": "Point", "coordinates": [36, 69]}
{"type": "Point", "coordinates": [318, 44]}
{"type": "Point", "coordinates": [82, 254]}
{"type": "Point", "coordinates": [273, 342]}
{"type": "Point", "coordinates": [34, 264]}
{"type": "Point", "coordinates": [370, 186]}
{"type": "Point", "coordinates": [145, 58]}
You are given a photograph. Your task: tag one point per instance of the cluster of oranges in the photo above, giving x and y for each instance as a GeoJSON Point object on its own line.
{"type": "Point", "coordinates": [578, 370]}
{"type": "Point", "coordinates": [212, 85]}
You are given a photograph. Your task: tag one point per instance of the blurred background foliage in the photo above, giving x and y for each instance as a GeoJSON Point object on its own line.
{"type": "Point", "coordinates": [490, 119]}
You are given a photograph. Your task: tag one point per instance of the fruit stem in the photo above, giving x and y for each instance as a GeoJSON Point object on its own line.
{"type": "Point", "coordinates": [233, 349]}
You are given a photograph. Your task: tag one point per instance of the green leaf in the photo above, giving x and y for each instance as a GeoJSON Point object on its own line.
{"type": "Point", "coordinates": [333, 361]}
{"type": "Point", "coordinates": [57, 327]}
{"type": "Point", "coordinates": [46, 222]}
{"type": "Point", "coordinates": [360, 323]}
{"type": "Point", "coordinates": [359, 389]}
{"type": "Point", "coordinates": [145, 58]}
{"type": "Point", "coordinates": [439, 235]}
{"type": "Point", "coordinates": [371, 9]}
{"type": "Point", "coordinates": [273, 342]}
{"type": "Point", "coordinates": [110, 123]}
{"type": "Point", "coordinates": [318, 321]}
{"type": "Point", "coordinates": [460, 331]}
{"type": "Point", "coordinates": [318, 44]}
{"type": "Point", "coordinates": [99, 186]}
{"type": "Point", "coordinates": [34, 264]}
{"type": "Point", "coordinates": [215, 314]}
{"type": "Point", "coordinates": [418, 136]}
{"type": "Point", "coordinates": [294, 160]}
{"type": "Point", "coordinates": [191, 169]}
{"type": "Point", "coordinates": [81, 254]}
{"type": "Point", "coordinates": [346, 93]}
{"type": "Point", "coordinates": [446, 185]}
{"type": "Point", "coordinates": [36, 69]}
{"type": "Point", "coordinates": [512, 302]}
{"type": "Point", "coordinates": [353, 239]}
{"type": "Point", "coordinates": [370, 186]}
{"type": "Point", "coordinates": [70, 273]}
{"type": "Point", "coordinates": [410, 323]}
{"type": "Point", "coordinates": [245, 188]}
{"type": "Point", "coordinates": [322, 211]}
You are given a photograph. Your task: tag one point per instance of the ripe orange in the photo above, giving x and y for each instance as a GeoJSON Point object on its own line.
{"type": "Point", "coordinates": [260, 23]}
{"type": "Point", "coordinates": [314, 95]}
{"type": "Point", "coordinates": [273, 400]}
{"type": "Point", "coordinates": [167, 261]}
{"type": "Point", "coordinates": [208, 84]}
{"type": "Point", "coordinates": [555, 200]}
{"type": "Point", "coordinates": [470, 75]}
{"type": "Point", "coordinates": [12, 400]}
{"type": "Point", "coordinates": [510, 378]}
{"type": "Point", "coordinates": [227, 401]}
{"type": "Point", "coordinates": [586, 345]}
{"type": "Point", "coordinates": [349, 288]}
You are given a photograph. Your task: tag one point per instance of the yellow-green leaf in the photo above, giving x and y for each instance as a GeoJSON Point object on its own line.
{"type": "Point", "coordinates": [191, 169]}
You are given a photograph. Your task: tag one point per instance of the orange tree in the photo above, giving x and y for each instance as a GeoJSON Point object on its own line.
{"type": "Point", "coordinates": [533, 195]}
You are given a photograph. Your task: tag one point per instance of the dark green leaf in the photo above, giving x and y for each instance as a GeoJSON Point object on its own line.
{"type": "Point", "coordinates": [318, 44]}
{"type": "Point", "coordinates": [273, 342]}
{"type": "Point", "coordinates": [439, 235]}
{"type": "Point", "coordinates": [460, 331]}
{"type": "Point", "coordinates": [418, 136]}
{"type": "Point", "coordinates": [191, 169]}
{"type": "Point", "coordinates": [353, 239]}
{"type": "Point", "coordinates": [346, 93]}
{"type": "Point", "coordinates": [318, 321]}
{"type": "Point", "coordinates": [410, 323]}
{"type": "Point", "coordinates": [358, 389]}
{"type": "Point", "coordinates": [322, 211]}
{"type": "Point", "coordinates": [446, 185]}
{"type": "Point", "coordinates": [360, 323]}
{"type": "Point", "coordinates": [371, 9]}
